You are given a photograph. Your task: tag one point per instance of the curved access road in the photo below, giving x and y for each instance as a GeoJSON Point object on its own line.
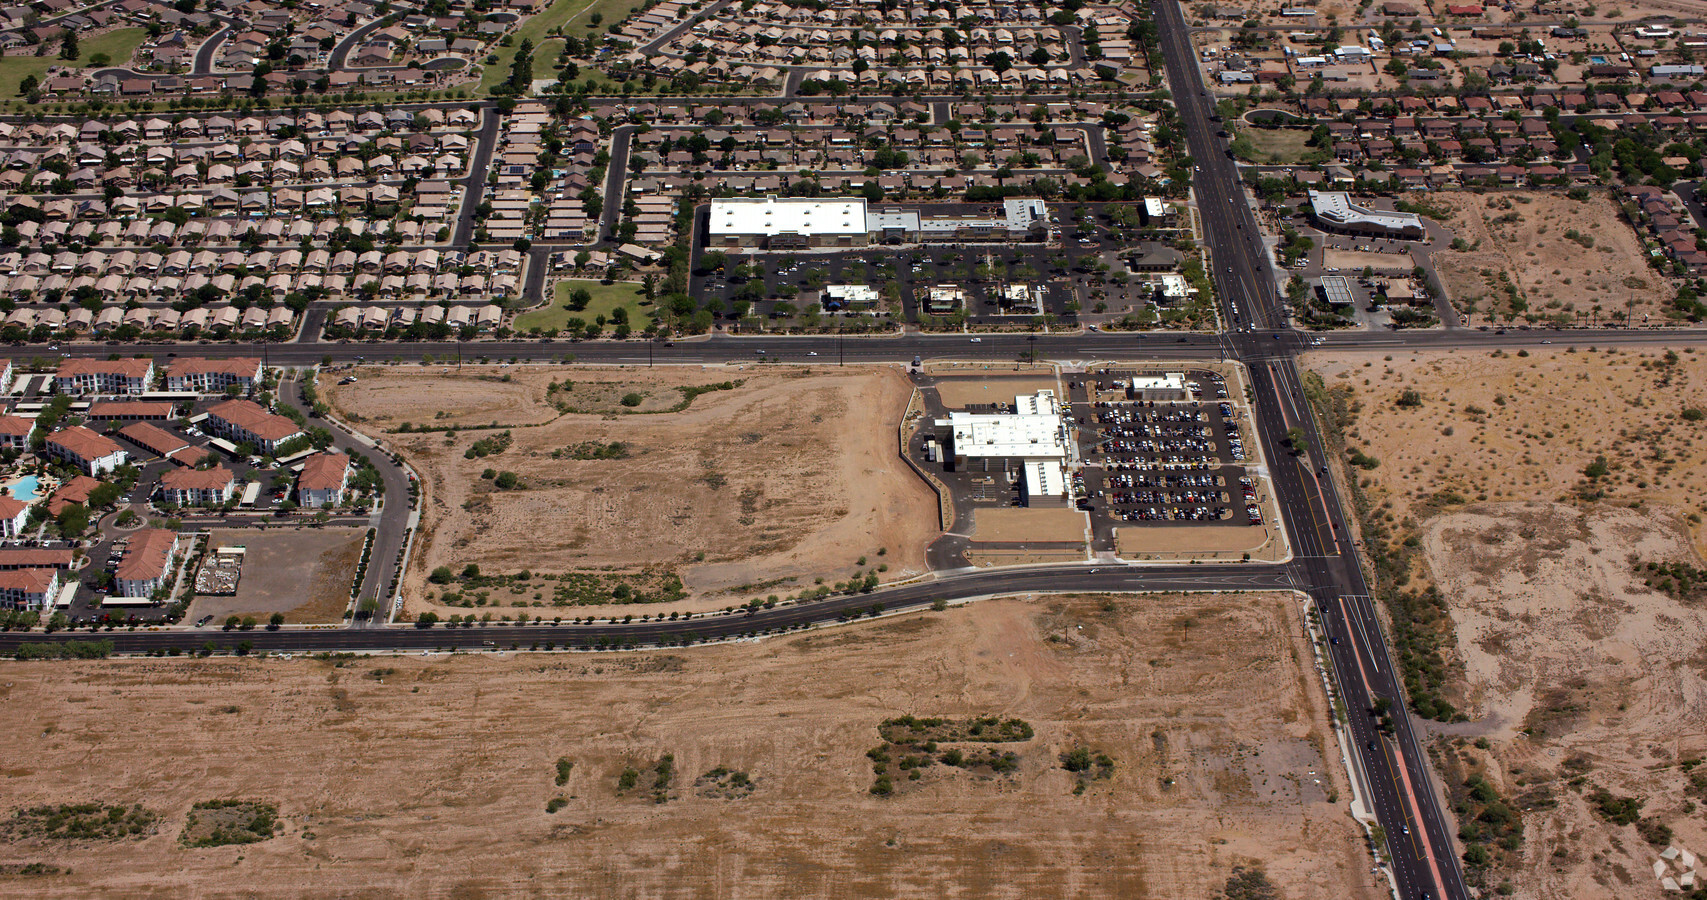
{"type": "Point", "coordinates": [951, 588]}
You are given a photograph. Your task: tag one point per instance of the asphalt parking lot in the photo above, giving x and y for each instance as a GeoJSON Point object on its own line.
{"type": "Point", "coordinates": [1091, 235]}
{"type": "Point", "coordinates": [905, 276]}
{"type": "Point", "coordinates": [1169, 462]}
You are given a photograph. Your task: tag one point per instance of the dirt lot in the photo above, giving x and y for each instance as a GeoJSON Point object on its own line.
{"type": "Point", "coordinates": [1577, 676]}
{"type": "Point", "coordinates": [1039, 524]}
{"type": "Point", "coordinates": [1501, 427]}
{"type": "Point", "coordinates": [304, 573]}
{"type": "Point", "coordinates": [790, 473]}
{"type": "Point", "coordinates": [1164, 541]}
{"type": "Point", "coordinates": [1520, 245]}
{"type": "Point", "coordinates": [446, 396]}
{"type": "Point", "coordinates": [1355, 261]}
{"type": "Point", "coordinates": [959, 393]}
{"type": "Point", "coordinates": [1217, 757]}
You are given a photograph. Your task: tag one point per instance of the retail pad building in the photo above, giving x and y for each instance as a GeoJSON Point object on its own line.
{"type": "Point", "coordinates": [1031, 443]}
{"type": "Point", "coordinates": [1334, 211]}
{"type": "Point", "coordinates": [807, 223]}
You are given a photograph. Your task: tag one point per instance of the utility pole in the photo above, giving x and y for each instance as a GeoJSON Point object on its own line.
{"type": "Point", "coordinates": [841, 360]}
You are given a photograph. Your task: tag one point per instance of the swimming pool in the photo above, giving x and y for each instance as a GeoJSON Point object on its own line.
{"type": "Point", "coordinates": [1597, 60]}
{"type": "Point", "coordinates": [24, 489]}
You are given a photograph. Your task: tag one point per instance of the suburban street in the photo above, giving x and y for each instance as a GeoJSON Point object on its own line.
{"type": "Point", "coordinates": [474, 184]}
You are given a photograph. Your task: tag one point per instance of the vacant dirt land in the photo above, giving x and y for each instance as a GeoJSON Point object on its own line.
{"type": "Point", "coordinates": [1535, 487]}
{"type": "Point", "coordinates": [1493, 427]}
{"type": "Point", "coordinates": [391, 774]}
{"type": "Point", "coordinates": [1354, 261]}
{"type": "Point", "coordinates": [304, 573]}
{"type": "Point", "coordinates": [791, 473]}
{"type": "Point", "coordinates": [1561, 259]}
{"type": "Point", "coordinates": [959, 393]}
{"type": "Point", "coordinates": [1164, 540]}
{"type": "Point", "coordinates": [1038, 524]}
{"type": "Point", "coordinates": [445, 396]}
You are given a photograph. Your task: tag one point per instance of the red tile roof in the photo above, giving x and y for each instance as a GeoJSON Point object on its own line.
{"type": "Point", "coordinates": [74, 491]}
{"type": "Point", "coordinates": [249, 416]}
{"type": "Point", "coordinates": [36, 558]}
{"type": "Point", "coordinates": [83, 443]}
{"type": "Point", "coordinates": [154, 439]}
{"type": "Point", "coordinates": [131, 368]}
{"type": "Point", "coordinates": [323, 471]}
{"type": "Point", "coordinates": [129, 409]}
{"type": "Point", "coordinates": [147, 554]}
{"type": "Point", "coordinates": [212, 479]}
{"type": "Point", "coordinates": [195, 365]}
{"type": "Point", "coordinates": [30, 581]}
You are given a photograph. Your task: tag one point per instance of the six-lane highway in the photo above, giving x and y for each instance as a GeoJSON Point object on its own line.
{"type": "Point", "coordinates": [1390, 767]}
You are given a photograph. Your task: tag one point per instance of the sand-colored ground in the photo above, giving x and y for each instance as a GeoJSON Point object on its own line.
{"type": "Point", "coordinates": [412, 777]}
{"type": "Point", "coordinates": [1576, 675]}
{"type": "Point", "coordinates": [304, 573]}
{"type": "Point", "coordinates": [1505, 427]}
{"type": "Point", "coordinates": [1029, 524]}
{"type": "Point", "coordinates": [959, 393]}
{"type": "Point", "coordinates": [978, 555]}
{"type": "Point", "coordinates": [1352, 262]}
{"type": "Point", "coordinates": [1140, 542]}
{"type": "Point", "coordinates": [444, 396]}
{"type": "Point", "coordinates": [793, 474]}
{"type": "Point", "coordinates": [1518, 242]}
{"type": "Point", "coordinates": [1561, 640]}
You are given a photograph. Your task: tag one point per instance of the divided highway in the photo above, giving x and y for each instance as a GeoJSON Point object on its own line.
{"type": "Point", "coordinates": [1394, 773]}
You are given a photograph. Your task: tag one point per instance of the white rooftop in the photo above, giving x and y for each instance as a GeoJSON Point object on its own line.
{"type": "Point", "coordinates": [1035, 431]}
{"type": "Point", "coordinates": [1336, 206]}
{"type": "Point", "coordinates": [851, 293]}
{"type": "Point", "coordinates": [1174, 381]}
{"type": "Point", "coordinates": [1044, 478]}
{"type": "Point", "coordinates": [786, 215]}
